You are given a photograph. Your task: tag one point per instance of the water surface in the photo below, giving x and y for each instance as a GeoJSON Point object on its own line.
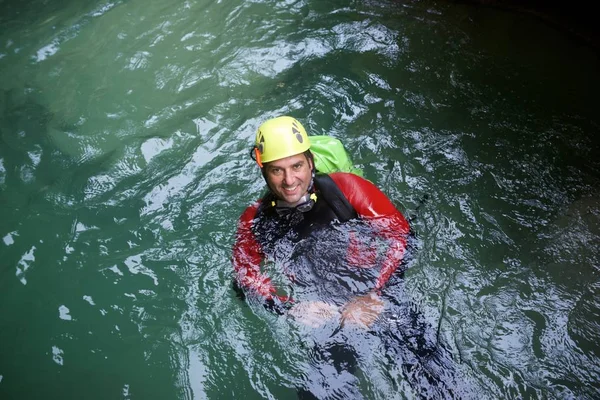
{"type": "Point", "coordinates": [124, 131]}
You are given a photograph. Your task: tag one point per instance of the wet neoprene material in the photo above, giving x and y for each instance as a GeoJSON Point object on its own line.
{"type": "Point", "coordinates": [331, 193]}
{"type": "Point", "coordinates": [262, 234]}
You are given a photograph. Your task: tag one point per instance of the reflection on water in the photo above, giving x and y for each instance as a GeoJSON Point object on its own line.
{"type": "Point", "coordinates": [124, 130]}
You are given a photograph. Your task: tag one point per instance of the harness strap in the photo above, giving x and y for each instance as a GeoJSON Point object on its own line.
{"type": "Point", "coordinates": [333, 195]}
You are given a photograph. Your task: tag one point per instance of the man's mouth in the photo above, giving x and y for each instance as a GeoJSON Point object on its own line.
{"type": "Point", "coordinates": [290, 189]}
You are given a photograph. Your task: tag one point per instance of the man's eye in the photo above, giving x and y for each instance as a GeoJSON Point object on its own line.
{"type": "Point", "coordinates": [297, 166]}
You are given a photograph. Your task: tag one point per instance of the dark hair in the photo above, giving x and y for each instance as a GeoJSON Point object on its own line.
{"type": "Point", "coordinates": [309, 156]}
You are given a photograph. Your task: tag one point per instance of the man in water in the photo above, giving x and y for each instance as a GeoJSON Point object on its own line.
{"type": "Point", "coordinates": [301, 213]}
{"type": "Point", "coordinates": [321, 248]}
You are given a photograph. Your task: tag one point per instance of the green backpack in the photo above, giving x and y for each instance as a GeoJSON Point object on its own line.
{"type": "Point", "coordinates": [331, 156]}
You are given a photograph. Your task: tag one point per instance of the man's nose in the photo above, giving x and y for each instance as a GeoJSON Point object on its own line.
{"type": "Point", "coordinates": [288, 178]}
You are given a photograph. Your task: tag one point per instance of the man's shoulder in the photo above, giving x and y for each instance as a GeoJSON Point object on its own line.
{"type": "Point", "coordinates": [345, 176]}
{"type": "Point", "coordinates": [348, 181]}
{"type": "Point", "coordinates": [250, 211]}
{"type": "Point", "coordinates": [359, 191]}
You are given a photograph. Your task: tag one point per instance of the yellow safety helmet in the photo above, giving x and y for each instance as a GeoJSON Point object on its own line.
{"type": "Point", "coordinates": [278, 138]}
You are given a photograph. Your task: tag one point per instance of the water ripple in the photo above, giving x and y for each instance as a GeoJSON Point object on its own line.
{"type": "Point", "coordinates": [124, 167]}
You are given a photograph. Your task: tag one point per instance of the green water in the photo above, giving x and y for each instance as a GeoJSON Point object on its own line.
{"type": "Point", "coordinates": [124, 130]}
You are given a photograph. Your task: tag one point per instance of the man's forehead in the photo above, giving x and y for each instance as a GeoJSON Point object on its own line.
{"type": "Point", "coordinates": [288, 161]}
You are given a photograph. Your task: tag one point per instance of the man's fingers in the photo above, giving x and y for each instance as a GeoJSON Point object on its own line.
{"type": "Point", "coordinates": [363, 314]}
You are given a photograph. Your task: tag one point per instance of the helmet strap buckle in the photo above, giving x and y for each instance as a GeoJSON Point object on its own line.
{"type": "Point", "coordinates": [257, 154]}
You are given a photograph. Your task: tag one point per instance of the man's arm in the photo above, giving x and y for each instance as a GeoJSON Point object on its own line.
{"type": "Point", "coordinates": [248, 256]}
{"type": "Point", "coordinates": [375, 207]}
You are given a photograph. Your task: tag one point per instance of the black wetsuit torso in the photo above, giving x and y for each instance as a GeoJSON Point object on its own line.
{"type": "Point", "coordinates": [311, 247]}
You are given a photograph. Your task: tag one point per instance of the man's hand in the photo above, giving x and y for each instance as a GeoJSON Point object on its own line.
{"type": "Point", "coordinates": [313, 313]}
{"type": "Point", "coordinates": [363, 310]}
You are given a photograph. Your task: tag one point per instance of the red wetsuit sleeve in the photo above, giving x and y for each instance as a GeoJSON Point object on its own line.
{"type": "Point", "coordinates": [375, 207]}
{"type": "Point", "coordinates": [248, 256]}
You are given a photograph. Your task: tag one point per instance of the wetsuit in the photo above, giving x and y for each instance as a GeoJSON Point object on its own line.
{"type": "Point", "coordinates": [320, 251]}
{"type": "Point", "coordinates": [350, 243]}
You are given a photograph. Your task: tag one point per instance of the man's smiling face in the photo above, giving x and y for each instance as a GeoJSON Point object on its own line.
{"type": "Point", "coordinates": [289, 178]}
